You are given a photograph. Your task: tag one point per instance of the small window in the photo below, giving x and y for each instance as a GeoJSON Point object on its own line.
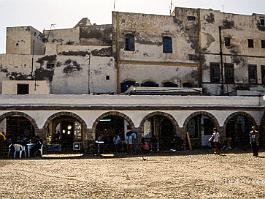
{"type": "Point", "coordinates": [191, 18]}
{"type": "Point", "coordinates": [250, 43]}
{"type": "Point", "coordinates": [22, 89]}
{"type": "Point", "coordinates": [227, 41]}
{"type": "Point", "coordinates": [229, 73]}
{"type": "Point", "coordinates": [262, 22]}
{"type": "Point", "coordinates": [129, 42]}
{"type": "Point", "coordinates": [215, 72]}
{"type": "Point", "coordinates": [262, 43]}
{"type": "Point", "coordinates": [252, 74]}
{"type": "Point", "coordinates": [107, 77]}
{"type": "Point", "coordinates": [167, 44]}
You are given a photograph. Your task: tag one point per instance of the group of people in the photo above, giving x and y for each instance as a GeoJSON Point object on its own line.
{"type": "Point", "coordinates": [8, 144]}
{"type": "Point", "coordinates": [215, 141]}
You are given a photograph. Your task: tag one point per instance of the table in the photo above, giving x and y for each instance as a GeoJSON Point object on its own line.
{"type": "Point", "coordinates": [99, 143]}
{"type": "Point", "coordinates": [29, 147]}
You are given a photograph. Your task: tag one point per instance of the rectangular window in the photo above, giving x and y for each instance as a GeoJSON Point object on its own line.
{"type": "Point", "coordinates": [262, 43]}
{"type": "Point", "coordinates": [227, 41]}
{"type": "Point", "coordinates": [250, 43]}
{"type": "Point", "coordinates": [167, 44]}
{"type": "Point", "coordinates": [129, 42]}
{"type": "Point", "coordinates": [22, 89]}
{"type": "Point", "coordinates": [252, 74]}
{"type": "Point", "coordinates": [229, 73]}
{"type": "Point", "coordinates": [215, 72]}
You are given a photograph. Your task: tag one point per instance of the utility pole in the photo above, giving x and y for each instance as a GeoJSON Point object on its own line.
{"type": "Point", "coordinates": [221, 57]}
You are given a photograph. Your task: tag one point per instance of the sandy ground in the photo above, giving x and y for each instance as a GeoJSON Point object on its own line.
{"type": "Point", "coordinates": [179, 176]}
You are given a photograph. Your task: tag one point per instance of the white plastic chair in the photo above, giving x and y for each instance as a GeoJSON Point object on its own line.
{"type": "Point", "coordinates": [19, 148]}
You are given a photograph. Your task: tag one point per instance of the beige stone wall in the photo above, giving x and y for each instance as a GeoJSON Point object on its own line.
{"type": "Point", "coordinates": [71, 74]}
{"type": "Point", "coordinates": [19, 40]}
{"type": "Point", "coordinates": [9, 87]}
{"type": "Point", "coordinates": [63, 36]}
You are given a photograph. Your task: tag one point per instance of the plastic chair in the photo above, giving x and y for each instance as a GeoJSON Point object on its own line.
{"type": "Point", "coordinates": [19, 148]}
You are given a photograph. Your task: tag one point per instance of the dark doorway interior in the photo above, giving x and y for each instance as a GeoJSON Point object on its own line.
{"type": "Point", "coordinates": [19, 128]}
{"type": "Point", "coordinates": [160, 133]}
{"type": "Point", "coordinates": [107, 128]}
{"type": "Point", "coordinates": [237, 131]}
{"type": "Point", "coordinates": [66, 131]}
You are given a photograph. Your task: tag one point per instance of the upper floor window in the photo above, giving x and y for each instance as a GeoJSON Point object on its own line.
{"type": "Point", "coordinates": [22, 89]}
{"type": "Point", "coordinates": [250, 43]}
{"type": "Point", "coordinates": [129, 42]}
{"type": "Point", "coordinates": [252, 74]}
{"type": "Point", "coordinates": [227, 41]}
{"type": "Point", "coordinates": [229, 73]}
{"type": "Point", "coordinates": [262, 43]}
{"type": "Point", "coordinates": [167, 44]}
{"type": "Point", "coordinates": [215, 72]}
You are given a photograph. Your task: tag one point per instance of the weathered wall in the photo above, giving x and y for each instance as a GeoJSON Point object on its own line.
{"type": "Point", "coordinates": [239, 28]}
{"type": "Point", "coordinates": [67, 74]}
{"type": "Point", "coordinates": [68, 36]}
{"type": "Point", "coordinates": [96, 35]}
{"type": "Point", "coordinates": [149, 31]}
{"type": "Point", "coordinates": [102, 75]}
{"type": "Point", "coordinates": [147, 61]}
{"type": "Point", "coordinates": [9, 87]}
{"type": "Point", "coordinates": [19, 40]}
{"type": "Point", "coordinates": [159, 74]}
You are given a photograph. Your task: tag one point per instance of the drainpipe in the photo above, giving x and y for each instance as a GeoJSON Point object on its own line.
{"type": "Point", "coordinates": [222, 63]}
{"type": "Point", "coordinates": [32, 59]}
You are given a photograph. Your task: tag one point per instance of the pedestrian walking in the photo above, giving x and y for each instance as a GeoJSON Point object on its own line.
{"type": "Point", "coordinates": [215, 141]}
{"type": "Point", "coordinates": [254, 141]}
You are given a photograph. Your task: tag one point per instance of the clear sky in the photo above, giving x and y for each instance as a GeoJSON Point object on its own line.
{"type": "Point", "coordinates": [66, 13]}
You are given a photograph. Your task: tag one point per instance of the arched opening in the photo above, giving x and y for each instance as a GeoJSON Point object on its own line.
{"type": "Point", "coordinates": [160, 131]}
{"type": "Point", "coordinates": [125, 85]}
{"type": "Point", "coordinates": [200, 128]}
{"type": "Point", "coordinates": [109, 125]}
{"type": "Point", "coordinates": [187, 85]}
{"type": "Point", "coordinates": [18, 127]}
{"type": "Point", "coordinates": [169, 84]}
{"type": "Point", "coordinates": [149, 84]}
{"type": "Point", "coordinates": [64, 132]}
{"type": "Point", "coordinates": [237, 128]}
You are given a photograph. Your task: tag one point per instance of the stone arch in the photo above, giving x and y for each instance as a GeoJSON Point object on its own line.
{"type": "Point", "coordinates": [125, 84]}
{"type": "Point", "coordinates": [70, 114]}
{"type": "Point", "coordinates": [168, 116]}
{"type": "Point", "coordinates": [169, 83]}
{"type": "Point", "coordinates": [112, 113]}
{"type": "Point", "coordinates": [162, 131]}
{"type": "Point", "coordinates": [202, 113]}
{"type": "Point", "coordinates": [149, 83]}
{"type": "Point", "coordinates": [242, 114]}
{"type": "Point", "coordinates": [12, 113]}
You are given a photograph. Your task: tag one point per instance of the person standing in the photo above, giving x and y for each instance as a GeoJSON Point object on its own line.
{"type": "Point", "coordinates": [117, 142]}
{"type": "Point", "coordinates": [215, 140]}
{"type": "Point", "coordinates": [254, 141]}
